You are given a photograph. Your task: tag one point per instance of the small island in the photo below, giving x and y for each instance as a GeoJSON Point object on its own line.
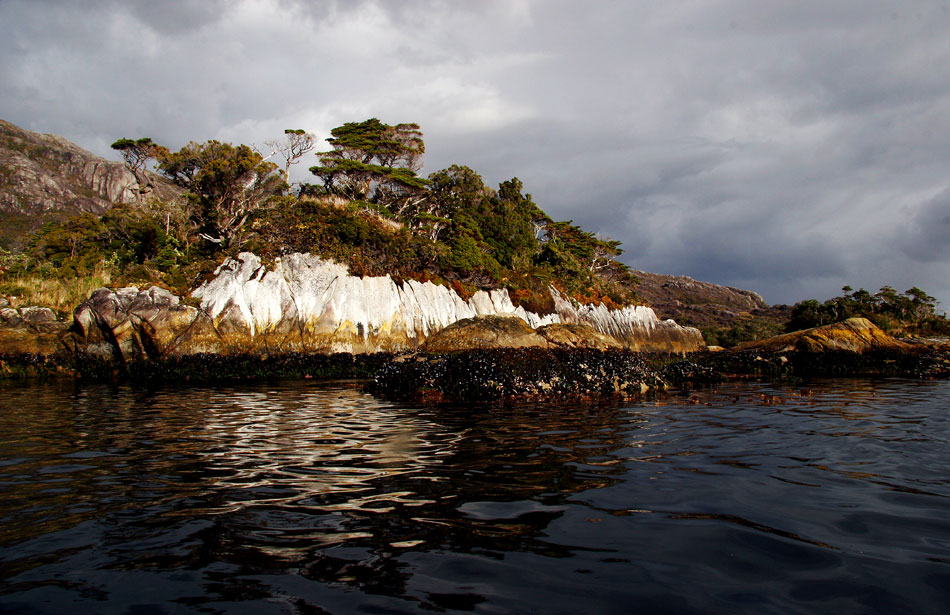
{"type": "Point", "coordinates": [206, 264]}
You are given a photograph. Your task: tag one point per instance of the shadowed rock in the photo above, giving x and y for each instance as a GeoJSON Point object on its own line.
{"type": "Point", "coordinates": [30, 331]}
{"type": "Point", "coordinates": [485, 332]}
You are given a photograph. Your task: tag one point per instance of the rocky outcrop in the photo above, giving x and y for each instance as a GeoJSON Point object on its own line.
{"type": "Point", "coordinates": [636, 326]}
{"type": "Point", "coordinates": [129, 324]}
{"type": "Point", "coordinates": [684, 290]}
{"type": "Point", "coordinates": [854, 347]}
{"type": "Point", "coordinates": [486, 332]}
{"type": "Point", "coordinates": [303, 304]}
{"type": "Point", "coordinates": [30, 331]}
{"type": "Point", "coordinates": [45, 177]}
{"type": "Point", "coordinates": [857, 335]}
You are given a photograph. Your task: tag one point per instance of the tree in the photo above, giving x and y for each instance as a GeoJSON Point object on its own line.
{"type": "Point", "coordinates": [137, 154]}
{"type": "Point", "coordinates": [373, 161]}
{"type": "Point", "coordinates": [296, 144]}
{"type": "Point", "coordinates": [452, 190]}
{"type": "Point", "coordinates": [605, 250]}
{"type": "Point", "coordinates": [227, 183]}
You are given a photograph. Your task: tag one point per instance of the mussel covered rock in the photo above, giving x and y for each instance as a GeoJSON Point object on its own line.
{"type": "Point", "coordinates": [516, 374]}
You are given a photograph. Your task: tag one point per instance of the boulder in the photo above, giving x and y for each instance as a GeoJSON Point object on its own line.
{"type": "Point", "coordinates": [30, 331]}
{"type": "Point", "coordinates": [129, 323]}
{"type": "Point", "coordinates": [577, 336]}
{"type": "Point", "coordinates": [482, 332]}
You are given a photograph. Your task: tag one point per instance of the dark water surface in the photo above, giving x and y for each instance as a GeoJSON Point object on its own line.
{"type": "Point", "coordinates": [315, 498]}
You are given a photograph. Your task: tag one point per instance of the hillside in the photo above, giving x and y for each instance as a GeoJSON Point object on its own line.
{"type": "Point", "coordinates": [468, 235]}
{"type": "Point", "coordinates": [47, 178]}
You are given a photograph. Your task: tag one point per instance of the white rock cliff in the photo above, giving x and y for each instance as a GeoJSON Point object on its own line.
{"type": "Point", "coordinates": [306, 304]}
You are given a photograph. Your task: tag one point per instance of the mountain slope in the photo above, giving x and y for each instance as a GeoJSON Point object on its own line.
{"type": "Point", "coordinates": [45, 177]}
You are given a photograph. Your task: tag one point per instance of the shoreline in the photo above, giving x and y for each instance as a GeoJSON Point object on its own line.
{"type": "Point", "coordinates": [489, 375]}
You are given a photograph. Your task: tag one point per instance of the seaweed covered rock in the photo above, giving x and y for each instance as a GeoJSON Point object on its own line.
{"type": "Point", "coordinates": [516, 374]}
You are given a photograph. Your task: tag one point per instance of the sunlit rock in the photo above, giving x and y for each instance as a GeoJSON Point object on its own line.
{"type": "Point", "coordinates": [302, 303]}
{"type": "Point", "coordinates": [857, 335]}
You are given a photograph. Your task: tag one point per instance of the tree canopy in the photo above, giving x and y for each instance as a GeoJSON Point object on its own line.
{"type": "Point", "coordinates": [226, 182]}
{"type": "Point", "coordinates": [887, 308]}
{"type": "Point", "coordinates": [376, 162]}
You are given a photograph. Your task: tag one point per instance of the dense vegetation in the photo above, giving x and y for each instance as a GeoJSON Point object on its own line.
{"type": "Point", "coordinates": [370, 210]}
{"type": "Point", "coordinates": [912, 312]}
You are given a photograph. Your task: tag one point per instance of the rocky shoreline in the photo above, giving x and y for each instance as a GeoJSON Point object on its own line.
{"type": "Point", "coordinates": [308, 319]}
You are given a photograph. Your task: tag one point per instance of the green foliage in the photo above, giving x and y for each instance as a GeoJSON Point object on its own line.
{"type": "Point", "coordinates": [226, 183]}
{"type": "Point", "coordinates": [375, 162]}
{"type": "Point", "coordinates": [744, 331]}
{"type": "Point", "coordinates": [133, 244]}
{"type": "Point", "coordinates": [137, 152]}
{"type": "Point", "coordinates": [913, 310]}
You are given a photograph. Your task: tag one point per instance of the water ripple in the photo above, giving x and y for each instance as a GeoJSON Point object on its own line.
{"type": "Point", "coordinates": [300, 498]}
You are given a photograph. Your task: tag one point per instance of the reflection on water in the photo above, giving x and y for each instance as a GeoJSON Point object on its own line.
{"type": "Point", "coordinates": [303, 498]}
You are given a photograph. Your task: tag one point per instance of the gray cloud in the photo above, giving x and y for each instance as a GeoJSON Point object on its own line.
{"type": "Point", "coordinates": [790, 148]}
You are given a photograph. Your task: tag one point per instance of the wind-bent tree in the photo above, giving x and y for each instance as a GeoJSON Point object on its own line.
{"type": "Point", "coordinates": [227, 184]}
{"type": "Point", "coordinates": [296, 144]}
{"type": "Point", "coordinates": [137, 153]}
{"type": "Point", "coordinates": [376, 162]}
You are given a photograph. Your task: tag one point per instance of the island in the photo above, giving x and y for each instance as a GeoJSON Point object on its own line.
{"type": "Point", "coordinates": [206, 264]}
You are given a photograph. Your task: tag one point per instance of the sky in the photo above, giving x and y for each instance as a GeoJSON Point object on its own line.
{"type": "Point", "coordinates": [788, 148]}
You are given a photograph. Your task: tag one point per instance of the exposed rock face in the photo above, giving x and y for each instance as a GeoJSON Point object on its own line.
{"type": "Point", "coordinates": [857, 335]}
{"type": "Point", "coordinates": [128, 324]}
{"type": "Point", "coordinates": [44, 177]}
{"type": "Point", "coordinates": [485, 332]}
{"type": "Point", "coordinates": [635, 326]}
{"type": "Point", "coordinates": [306, 304]}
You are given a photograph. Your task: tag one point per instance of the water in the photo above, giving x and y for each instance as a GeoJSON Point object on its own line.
{"type": "Point", "coordinates": [315, 498]}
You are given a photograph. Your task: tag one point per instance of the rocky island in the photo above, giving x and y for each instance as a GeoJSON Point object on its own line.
{"type": "Point", "coordinates": [212, 267]}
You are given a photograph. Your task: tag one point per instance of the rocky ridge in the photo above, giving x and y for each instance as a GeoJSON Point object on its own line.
{"type": "Point", "coordinates": [858, 335]}
{"type": "Point", "coordinates": [46, 177]}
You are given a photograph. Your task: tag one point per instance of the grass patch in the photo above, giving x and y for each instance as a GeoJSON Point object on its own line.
{"type": "Point", "coordinates": [61, 294]}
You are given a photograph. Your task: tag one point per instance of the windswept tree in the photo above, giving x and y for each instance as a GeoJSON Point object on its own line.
{"type": "Point", "coordinates": [376, 162]}
{"type": "Point", "coordinates": [137, 153]}
{"type": "Point", "coordinates": [296, 144]}
{"type": "Point", "coordinates": [227, 183]}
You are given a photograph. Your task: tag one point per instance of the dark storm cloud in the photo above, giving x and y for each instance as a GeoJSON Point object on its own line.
{"type": "Point", "coordinates": [928, 234]}
{"type": "Point", "coordinates": [790, 147]}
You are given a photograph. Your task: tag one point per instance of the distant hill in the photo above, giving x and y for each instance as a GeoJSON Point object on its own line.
{"type": "Point", "coordinates": [702, 303]}
{"type": "Point", "coordinates": [47, 178]}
